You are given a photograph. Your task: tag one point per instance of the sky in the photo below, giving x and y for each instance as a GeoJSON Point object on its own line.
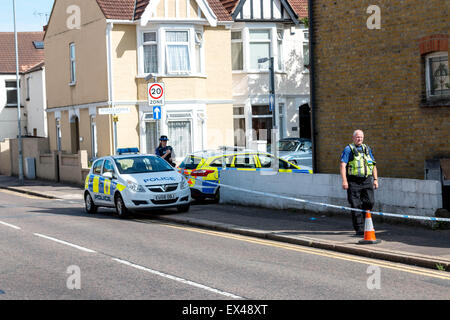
{"type": "Point", "coordinates": [30, 14]}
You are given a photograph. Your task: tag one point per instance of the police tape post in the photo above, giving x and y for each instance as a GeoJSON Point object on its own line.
{"type": "Point", "coordinates": [315, 203]}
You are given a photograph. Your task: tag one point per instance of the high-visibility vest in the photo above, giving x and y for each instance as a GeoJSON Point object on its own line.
{"type": "Point", "coordinates": [362, 163]}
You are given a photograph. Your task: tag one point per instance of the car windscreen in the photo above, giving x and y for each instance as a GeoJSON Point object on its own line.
{"type": "Point", "coordinates": [306, 146]}
{"type": "Point", "coordinates": [131, 165]}
{"type": "Point", "coordinates": [287, 145]}
{"type": "Point", "coordinates": [190, 162]}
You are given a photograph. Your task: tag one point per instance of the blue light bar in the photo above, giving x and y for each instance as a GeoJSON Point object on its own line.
{"type": "Point", "coordinates": [121, 151]}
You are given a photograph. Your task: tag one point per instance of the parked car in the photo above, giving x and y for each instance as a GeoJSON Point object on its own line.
{"type": "Point", "coordinates": [202, 169]}
{"type": "Point", "coordinates": [133, 181]}
{"type": "Point", "coordinates": [296, 150]}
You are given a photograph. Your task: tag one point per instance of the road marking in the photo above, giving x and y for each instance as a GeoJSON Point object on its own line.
{"type": "Point", "coordinates": [10, 225]}
{"type": "Point", "coordinates": [64, 242]}
{"type": "Point", "coordinates": [168, 276]}
{"type": "Point", "coordinates": [320, 252]}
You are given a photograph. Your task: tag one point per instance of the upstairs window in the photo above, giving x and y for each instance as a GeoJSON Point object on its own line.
{"type": "Point", "coordinates": [150, 52]}
{"type": "Point", "coordinates": [306, 48]}
{"type": "Point", "coordinates": [260, 41]}
{"type": "Point", "coordinates": [11, 93]}
{"type": "Point", "coordinates": [280, 49]}
{"type": "Point", "coordinates": [237, 51]}
{"type": "Point", "coordinates": [73, 77]}
{"type": "Point", "coordinates": [436, 73]}
{"type": "Point", "coordinates": [177, 52]}
{"type": "Point", "coordinates": [198, 51]}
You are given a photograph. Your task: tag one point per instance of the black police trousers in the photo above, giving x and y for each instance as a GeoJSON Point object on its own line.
{"type": "Point", "coordinates": [360, 195]}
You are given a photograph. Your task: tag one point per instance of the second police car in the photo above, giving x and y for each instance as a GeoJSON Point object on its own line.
{"type": "Point", "coordinates": [133, 181]}
{"type": "Point", "coordinates": [202, 169]}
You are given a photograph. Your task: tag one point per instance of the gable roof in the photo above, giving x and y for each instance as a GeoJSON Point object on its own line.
{"type": "Point", "coordinates": [29, 56]}
{"type": "Point", "coordinates": [133, 9]}
{"type": "Point", "coordinates": [300, 7]}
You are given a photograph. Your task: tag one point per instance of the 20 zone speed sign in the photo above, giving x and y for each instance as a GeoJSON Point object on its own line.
{"type": "Point", "coordinates": [156, 94]}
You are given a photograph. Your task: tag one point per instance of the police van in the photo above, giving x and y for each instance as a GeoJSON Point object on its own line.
{"type": "Point", "coordinates": [131, 181]}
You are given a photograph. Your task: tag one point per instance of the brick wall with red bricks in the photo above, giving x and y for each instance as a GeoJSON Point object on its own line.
{"type": "Point", "coordinates": [374, 80]}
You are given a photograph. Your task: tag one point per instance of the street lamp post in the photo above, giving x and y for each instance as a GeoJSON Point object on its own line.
{"type": "Point", "coordinates": [21, 179]}
{"type": "Point", "coordinates": [272, 102]}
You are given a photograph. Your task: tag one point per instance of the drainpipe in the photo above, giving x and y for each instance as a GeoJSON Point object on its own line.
{"type": "Point", "coordinates": [312, 96]}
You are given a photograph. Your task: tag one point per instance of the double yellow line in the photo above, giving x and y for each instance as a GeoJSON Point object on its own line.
{"type": "Point", "coordinates": [319, 252]}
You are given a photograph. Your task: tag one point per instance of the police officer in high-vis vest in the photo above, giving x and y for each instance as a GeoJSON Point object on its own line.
{"type": "Point", "coordinates": [359, 178]}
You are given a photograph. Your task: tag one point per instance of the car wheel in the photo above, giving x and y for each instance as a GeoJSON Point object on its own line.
{"type": "Point", "coordinates": [121, 209]}
{"type": "Point", "coordinates": [183, 208]}
{"type": "Point", "coordinates": [217, 196]}
{"type": "Point", "coordinates": [89, 203]}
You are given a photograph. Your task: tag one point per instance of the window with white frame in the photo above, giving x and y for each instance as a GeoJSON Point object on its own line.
{"type": "Point", "coordinates": [171, 50]}
{"type": "Point", "coordinates": [260, 43]}
{"type": "Point", "coordinates": [237, 50]}
{"type": "Point", "coordinates": [151, 133]}
{"type": "Point", "coordinates": [72, 63]}
{"type": "Point", "coordinates": [150, 46]}
{"type": "Point", "coordinates": [280, 49]}
{"type": "Point", "coordinates": [11, 93]}
{"type": "Point", "coordinates": [177, 51]}
{"type": "Point", "coordinates": [248, 45]}
{"type": "Point", "coordinates": [306, 48]}
{"type": "Point", "coordinates": [180, 133]}
{"type": "Point", "coordinates": [198, 51]}
{"type": "Point", "coordinates": [437, 74]}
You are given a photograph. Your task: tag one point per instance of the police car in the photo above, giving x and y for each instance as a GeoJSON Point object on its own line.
{"type": "Point", "coordinates": [131, 181]}
{"type": "Point", "coordinates": [202, 169]}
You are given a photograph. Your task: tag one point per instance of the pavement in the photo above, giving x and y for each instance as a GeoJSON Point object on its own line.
{"type": "Point", "coordinates": [401, 242]}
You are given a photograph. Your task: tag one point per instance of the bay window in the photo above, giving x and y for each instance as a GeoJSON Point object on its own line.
{"type": "Point", "coordinates": [171, 50]}
{"type": "Point", "coordinates": [252, 43]}
{"type": "Point", "coordinates": [260, 41]}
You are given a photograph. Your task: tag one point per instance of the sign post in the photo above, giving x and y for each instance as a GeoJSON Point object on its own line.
{"type": "Point", "coordinates": [156, 99]}
{"type": "Point", "coordinates": [156, 94]}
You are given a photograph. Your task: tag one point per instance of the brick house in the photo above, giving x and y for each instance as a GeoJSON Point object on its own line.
{"type": "Point", "coordinates": [390, 80]}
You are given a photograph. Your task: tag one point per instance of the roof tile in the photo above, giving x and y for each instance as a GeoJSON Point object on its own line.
{"type": "Point", "coordinates": [133, 9]}
{"type": "Point", "coordinates": [29, 56]}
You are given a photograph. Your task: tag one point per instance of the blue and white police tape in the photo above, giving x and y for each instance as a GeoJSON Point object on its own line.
{"type": "Point", "coordinates": [402, 216]}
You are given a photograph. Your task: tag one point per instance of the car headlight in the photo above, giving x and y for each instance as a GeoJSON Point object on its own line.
{"type": "Point", "coordinates": [135, 187]}
{"type": "Point", "coordinates": [183, 183]}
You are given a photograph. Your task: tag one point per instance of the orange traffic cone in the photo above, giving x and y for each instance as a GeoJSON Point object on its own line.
{"type": "Point", "coordinates": [369, 231]}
